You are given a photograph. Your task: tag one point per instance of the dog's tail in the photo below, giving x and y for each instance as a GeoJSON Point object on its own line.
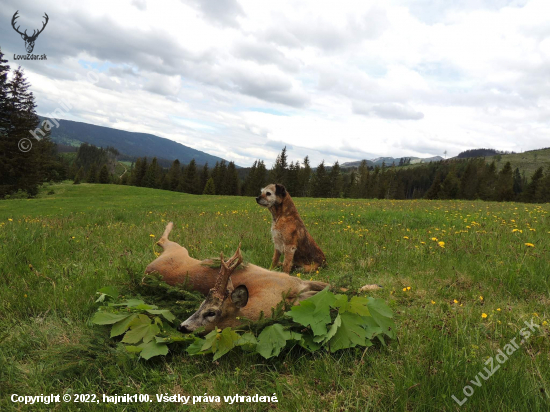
{"type": "Point", "coordinates": [164, 237]}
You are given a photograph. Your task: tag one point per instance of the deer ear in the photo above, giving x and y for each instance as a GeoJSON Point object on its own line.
{"type": "Point", "coordinates": [280, 190]}
{"type": "Point", "coordinates": [239, 296]}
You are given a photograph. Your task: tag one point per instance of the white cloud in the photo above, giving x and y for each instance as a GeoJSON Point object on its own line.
{"type": "Point", "coordinates": [335, 80]}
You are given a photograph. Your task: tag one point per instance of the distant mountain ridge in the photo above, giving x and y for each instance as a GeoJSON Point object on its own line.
{"type": "Point", "coordinates": [388, 161]}
{"type": "Point", "coordinates": [131, 144]}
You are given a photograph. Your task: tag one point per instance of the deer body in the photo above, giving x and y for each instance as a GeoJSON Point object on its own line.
{"type": "Point", "coordinates": [247, 292]}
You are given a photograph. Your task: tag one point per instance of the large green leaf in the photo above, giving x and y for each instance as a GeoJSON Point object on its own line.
{"type": "Point", "coordinates": [122, 326]}
{"type": "Point", "coordinates": [225, 341]}
{"type": "Point", "coordinates": [195, 347]}
{"type": "Point", "coordinates": [314, 312]}
{"type": "Point", "coordinates": [272, 340]}
{"type": "Point", "coordinates": [153, 348]}
{"type": "Point", "coordinates": [247, 342]}
{"type": "Point", "coordinates": [108, 318]}
{"type": "Point", "coordinates": [166, 314]}
{"type": "Point", "coordinates": [382, 314]}
{"type": "Point", "coordinates": [331, 332]}
{"type": "Point", "coordinates": [350, 333]}
{"type": "Point", "coordinates": [109, 290]}
{"type": "Point", "coordinates": [145, 331]}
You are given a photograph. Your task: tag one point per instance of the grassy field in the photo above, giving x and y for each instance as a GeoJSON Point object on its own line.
{"type": "Point", "coordinates": [461, 277]}
{"type": "Point", "coordinates": [527, 161]}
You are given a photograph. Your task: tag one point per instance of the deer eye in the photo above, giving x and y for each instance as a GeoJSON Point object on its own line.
{"type": "Point", "coordinates": [210, 314]}
{"type": "Point", "coordinates": [268, 193]}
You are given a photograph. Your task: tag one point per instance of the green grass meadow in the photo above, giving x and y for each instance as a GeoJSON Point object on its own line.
{"type": "Point", "coordinates": [460, 276]}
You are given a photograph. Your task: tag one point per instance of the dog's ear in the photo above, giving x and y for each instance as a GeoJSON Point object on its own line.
{"type": "Point", "coordinates": [280, 190]}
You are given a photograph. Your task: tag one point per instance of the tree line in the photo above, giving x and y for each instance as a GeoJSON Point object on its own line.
{"type": "Point", "coordinates": [23, 168]}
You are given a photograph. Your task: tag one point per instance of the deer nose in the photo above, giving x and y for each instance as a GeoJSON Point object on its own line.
{"type": "Point", "coordinates": [183, 329]}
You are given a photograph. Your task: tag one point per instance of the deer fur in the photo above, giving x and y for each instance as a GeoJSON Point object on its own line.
{"type": "Point", "coordinates": [245, 291]}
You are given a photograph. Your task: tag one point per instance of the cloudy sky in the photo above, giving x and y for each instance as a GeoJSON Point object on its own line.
{"type": "Point", "coordinates": [335, 80]}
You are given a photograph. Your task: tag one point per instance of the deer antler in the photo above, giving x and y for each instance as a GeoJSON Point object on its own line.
{"type": "Point", "coordinates": [43, 25]}
{"type": "Point", "coordinates": [226, 269]}
{"type": "Point", "coordinates": [15, 16]}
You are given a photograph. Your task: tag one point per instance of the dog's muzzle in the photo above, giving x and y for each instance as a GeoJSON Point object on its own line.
{"type": "Point", "coordinates": [258, 199]}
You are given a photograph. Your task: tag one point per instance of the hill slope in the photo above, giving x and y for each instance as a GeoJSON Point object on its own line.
{"type": "Point", "coordinates": [388, 161]}
{"type": "Point", "coordinates": [128, 143]}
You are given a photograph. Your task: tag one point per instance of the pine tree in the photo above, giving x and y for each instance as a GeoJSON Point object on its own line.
{"type": "Point", "coordinates": [321, 182]}
{"type": "Point", "coordinates": [530, 194]}
{"type": "Point", "coordinates": [231, 181]}
{"type": "Point", "coordinates": [152, 175]}
{"type": "Point", "coordinates": [518, 182]}
{"type": "Point", "coordinates": [19, 169]}
{"type": "Point", "coordinates": [542, 195]}
{"type": "Point", "coordinates": [304, 179]}
{"type": "Point", "coordinates": [209, 188]}
{"type": "Point", "coordinates": [174, 175]}
{"type": "Point", "coordinates": [79, 176]}
{"type": "Point", "coordinates": [505, 184]}
{"type": "Point", "coordinates": [450, 186]}
{"type": "Point", "coordinates": [191, 180]}
{"type": "Point", "coordinates": [91, 177]}
{"type": "Point", "coordinates": [336, 181]}
{"type": "Point", "coordinates": [204, 176]}
{"type": "Point", "coordinates": [103, 175]}
{"type": "Point", "coordinates": [279, 169]}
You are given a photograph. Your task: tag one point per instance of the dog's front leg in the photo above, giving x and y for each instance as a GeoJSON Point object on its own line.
{"type": "Point", "coordinates": [276, 257]}
{"type": "Point", "coordinates": [289, 258]}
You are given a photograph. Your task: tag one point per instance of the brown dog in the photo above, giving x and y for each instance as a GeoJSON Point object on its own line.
{"type": "Point", "coordinates": [289, 232]}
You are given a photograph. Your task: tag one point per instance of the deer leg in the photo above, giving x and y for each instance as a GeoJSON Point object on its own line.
{"type": "Point", "coordinates": [276, 257]}
{"type": "Point", "coordinates": [290, 250]}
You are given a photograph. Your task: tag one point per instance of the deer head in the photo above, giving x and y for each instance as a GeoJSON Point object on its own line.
{"type": "Point", "coordinates": [29, 40]}
{"type": "Point", "coordinates": [222, 302]}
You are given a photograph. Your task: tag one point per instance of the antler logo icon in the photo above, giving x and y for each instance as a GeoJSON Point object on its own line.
{"type": "Point", "coordinates": [29, 40]}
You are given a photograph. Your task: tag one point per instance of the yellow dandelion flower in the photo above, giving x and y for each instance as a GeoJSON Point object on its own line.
{"type": "Point", "coordinates": [535, 314]}
{"type": "Point", "coordinates": [455, 301]}
{"type": "Point", "coordinates": [151, 235]}
{"type": "Point", "coordinates": [498, 309]}
{"type": "Point", "coordinates": [544, 323]}
{"type": "Point", "coordinates": [10, 219]}
{"type": "Point", "coordinates": [434, 239]}
{"type": "Point", "coordinates": [408, 288]}
{"type": "Point", "coordinates": [405, 237]}
{"type": "Point", "coordinates": [25, 295]}
{"type": "Point", "coordinates": [404, 289]}
{"type": "Point", "coordinates": [441, 244]}
{"type": "Point", "coordinates": [299, 275]}
{"type": "Point", "coordinates": [481, 298]}
{"type": "Point", "coordinates": [529, 245]}
{"type": "Point", "coordinates": [483, 315]}
{"type": "Point", "coordinates": [433, 302]}
{"type": "Point", "coordinates": [423, 243]}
